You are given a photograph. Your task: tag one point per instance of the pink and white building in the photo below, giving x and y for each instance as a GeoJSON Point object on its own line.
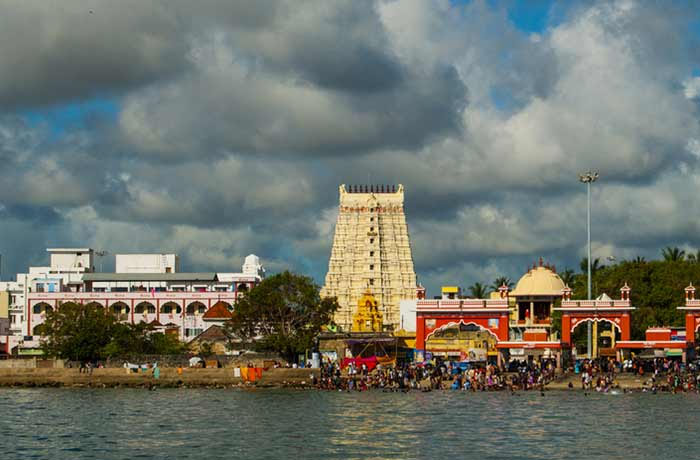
{"type": "Point", "coordinates": [145, 287]}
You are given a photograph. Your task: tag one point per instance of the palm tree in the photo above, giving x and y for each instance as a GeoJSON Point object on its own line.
{"type": "Point", "coordinates": [501, 281]}
{"type": "Point", "coordinates": [673, 254]}
{"type": "Point", "coordinates": [595, 265]}
{"type": "Point", "coordinates": [567, 276]}
{"type": "Point", "coordinates": [694, 257]}
{"type": "Point", "coordinates": [478, 290]}
{"type": "Point", "coordinates": [639, 260]}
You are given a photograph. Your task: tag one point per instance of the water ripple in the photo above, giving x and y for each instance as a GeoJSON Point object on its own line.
{"type": "Point", "coordinates": [131, 423]}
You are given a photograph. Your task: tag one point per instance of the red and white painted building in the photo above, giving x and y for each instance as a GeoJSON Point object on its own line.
{"type": "Point", "coordinates": [435, 315]}
{"type": "Point", "coordinates": [519, 323]}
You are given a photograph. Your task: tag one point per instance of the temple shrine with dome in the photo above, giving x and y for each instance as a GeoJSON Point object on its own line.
{"type": "Point", "coordinates": [519, 323]}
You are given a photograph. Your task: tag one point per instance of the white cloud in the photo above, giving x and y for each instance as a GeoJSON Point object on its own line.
{"type": "Point", "coordinates": [691, 87]}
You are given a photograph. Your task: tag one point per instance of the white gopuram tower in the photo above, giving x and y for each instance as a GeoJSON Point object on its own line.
{"type": "Point", "coordinates": [371, 250]}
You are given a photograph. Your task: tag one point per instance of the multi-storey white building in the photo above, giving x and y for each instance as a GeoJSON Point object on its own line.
{"type": "Point", "coordinates": [145, 287]}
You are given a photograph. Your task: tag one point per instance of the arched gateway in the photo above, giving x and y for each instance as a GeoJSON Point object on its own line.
{"type": "Point", "coordinates": [461, 323]}
{"type": "Point", "coordinates": [577, 312]}
{"type": "Point", "coordinates": [692, 316]}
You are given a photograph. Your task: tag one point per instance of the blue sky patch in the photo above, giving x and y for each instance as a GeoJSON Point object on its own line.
{"type": "Point", "coordinates": [75, 115]}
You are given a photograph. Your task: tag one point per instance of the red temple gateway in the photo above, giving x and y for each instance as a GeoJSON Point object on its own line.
{"type": "Point", "coordinates": [519, 324]}
{"type": "Point", "coordinates": [442, 325]}
{"type": "Point", "coordinates": [692, 316]}
{"type": "Point", "coordinates": [602, 310]}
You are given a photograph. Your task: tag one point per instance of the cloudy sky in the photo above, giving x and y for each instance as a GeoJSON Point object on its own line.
{"type": "Point", "coordinates": [216, 129]}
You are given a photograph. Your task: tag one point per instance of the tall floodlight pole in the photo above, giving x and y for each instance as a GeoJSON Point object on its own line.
{"type": "Point", "coordinates": [588, 178]}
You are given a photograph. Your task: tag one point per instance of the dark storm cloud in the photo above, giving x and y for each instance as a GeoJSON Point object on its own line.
{"type": "Point", "coordinates": [323, 81]}
{"type": "Point", "coordinates": [59, 51]}
{"type": "Point", "coordinates": [339, 46]}
{"type": "Point", "coordinates": [37, 215]}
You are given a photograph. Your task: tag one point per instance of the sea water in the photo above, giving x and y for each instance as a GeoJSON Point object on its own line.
{"type": "Point", "coordinates": [309, 424]}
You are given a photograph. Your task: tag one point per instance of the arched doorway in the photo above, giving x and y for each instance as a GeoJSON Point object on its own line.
{"type": "Point", "coordinates": [145, 308]}
{"type": "Point", "coordinates": [461, 341]}
{"type": "Point", "coordinates": [195, 309]}
{"type": "Point", "coordinates": [170, 308]}
{"type": "Point", "coordinates": [94, 304]}
{"type": "Point", "coordinates": [41, 308]}
{"type": "Point", "coordinates": [120, 310]}
{"type": "Point", "coordinates": [607, 332]}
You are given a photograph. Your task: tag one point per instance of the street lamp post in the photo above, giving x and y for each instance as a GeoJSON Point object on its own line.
{"type": "Point", "coordinates": [588, 178]}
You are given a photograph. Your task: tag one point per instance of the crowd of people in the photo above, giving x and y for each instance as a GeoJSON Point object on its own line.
{"type": "Point", "coordinates": [438, 376]}
{"type": "Point", "coordinates": [659, 374]}
{"type": "Point", "coordinates": [600, 375]}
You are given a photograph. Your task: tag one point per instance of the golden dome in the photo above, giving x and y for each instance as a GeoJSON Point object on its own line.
{"type": "Point", "coordinates": [539, 281]}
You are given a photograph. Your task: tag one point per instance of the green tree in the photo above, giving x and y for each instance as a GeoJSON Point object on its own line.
{"type": "Point", "coordinates": [78, 332]}
{"type": "Point", "coordinates": [206, 350]}
{"type": "Point", "coordinates": [129, 339]}
{"type": "Point", "coordinates": [501, 281]}
{"type": "Point", "coordinates": [657, 291]}
{"type": "Point", "coordinates": [284, 314]}
{"type": "Point", "coordinates": [694, 257]}
{"type": "Point", "coordinates": [595, 265]}
{"type": "Point", "coordinates": [567, 276]}
{"type": "Point", "coordinates": [673, 254]}
{"type": "Point", "coordinates": [165, 344]}
{"type": "Point", "coordinates": [478, 291]}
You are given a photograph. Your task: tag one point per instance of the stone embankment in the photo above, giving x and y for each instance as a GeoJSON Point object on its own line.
{"type": "Point", "coordinates": [169, 377]}
{"type": "Point", "coordinates": [626, 381]}
{"type": "Point", "coordinates": [210, 378]}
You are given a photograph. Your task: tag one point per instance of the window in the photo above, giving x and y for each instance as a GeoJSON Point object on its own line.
{"type": "Point", "coordinates": [371, 253]}
{"type": "Point", "coordinates": [371, 241]}
{"type": "Point", "coordinates": [371, 267]}
{"type": "Point", "coordinates": [371, 219]}
{"type": "Point", "coordinates": [192, 332]}
{"type": "Point", "coordinates": [371, 281]}
{"type": "Point", "coordinates": [371, 229]}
